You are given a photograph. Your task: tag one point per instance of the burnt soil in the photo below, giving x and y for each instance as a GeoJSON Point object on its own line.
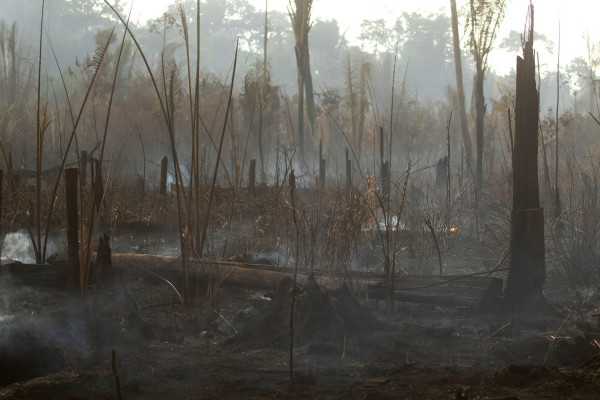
{"type": "Point", "coordinates": [238, 346]}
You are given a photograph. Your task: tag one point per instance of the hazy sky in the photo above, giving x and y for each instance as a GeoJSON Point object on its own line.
{"type": "Point", "coordinates": [577, 18]}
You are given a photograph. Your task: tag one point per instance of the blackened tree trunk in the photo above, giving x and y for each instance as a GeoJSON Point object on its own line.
{"type": "Point", "coordinates": [527, 265]}
{"type": "Point", "coordinates": [252, 177]}
{"type": "Point", "coordinates": [163, 176]}
{"type": "Point", "coordinates": [464, 125]}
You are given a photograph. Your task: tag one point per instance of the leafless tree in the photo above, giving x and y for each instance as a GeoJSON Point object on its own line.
{"type": "Point", "coordinates": [483, 20]}
{"type": "Point", "coordinates": [459, 86]}
{"type": "Point", "coordinates": [300, 16]}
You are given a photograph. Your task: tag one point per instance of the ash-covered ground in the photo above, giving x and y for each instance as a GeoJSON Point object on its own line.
{"type": "Point", "coordinates": [237, 343]}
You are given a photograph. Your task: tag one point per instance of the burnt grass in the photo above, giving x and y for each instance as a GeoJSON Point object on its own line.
{"type": "Point", "coordinates": [55, 347]}
{"type": "Point", "coordinates": [232, 341]}
{"type": "Point", "coordinates": [323, 319]}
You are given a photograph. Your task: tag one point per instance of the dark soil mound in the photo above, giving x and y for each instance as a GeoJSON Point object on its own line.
{"type": "Point", "coordinates": [321, 317]}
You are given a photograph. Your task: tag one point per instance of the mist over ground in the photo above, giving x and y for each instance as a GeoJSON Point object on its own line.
{"type": "Point", "coordinates": [305, 215]}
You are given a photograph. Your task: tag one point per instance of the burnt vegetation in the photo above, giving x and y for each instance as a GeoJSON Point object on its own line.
{"type": "Point", "coordinates": [230, 202]}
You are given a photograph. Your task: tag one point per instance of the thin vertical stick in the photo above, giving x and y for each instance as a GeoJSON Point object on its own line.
{"type": "Point", "coordinates": [196, 137]}
{"type": "Point", "coordinates": [297, 261]}
{"type": "Point", "coordinates": [321, 166]}
{"type": "Point", "coordinates": [116, 376]}
{"type": "Point", "coordinates": [163, 175]}
{"type": "Point", "coordinates": [71, 177]}
{"type": "Point", "coordinates": [1, 173]}
{"type": "Point", "coordinates": [556, 192]}
{"type": "Point", "coordinates": [448, 163]}
{"type": "Point", "coordinates": [39, 138]}
{"type": "Point", "coordinates": [348, 170]}
{"type": "Point", "coordinates": [252, 177]}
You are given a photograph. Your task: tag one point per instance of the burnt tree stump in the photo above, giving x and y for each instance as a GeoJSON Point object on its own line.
{"type": "Point", "coordinates": [527, 264]}
{"type": "Point", "coordinates": [322, 166]}
{"type": "Point", "coordinates": [252, 177]}
{"type": "Point", "coordinates": [163, 176]}
{"type": "Point", "coordinates": [385, 167]}
{"type": "Point", "coordinates": [104, 267]}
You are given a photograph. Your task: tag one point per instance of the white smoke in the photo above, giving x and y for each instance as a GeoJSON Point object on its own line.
{"type": "Point", "coordinates": [17, 247]}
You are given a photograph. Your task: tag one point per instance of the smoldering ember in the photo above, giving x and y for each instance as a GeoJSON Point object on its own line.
{"type": "Point", "coordinates": [231, 201]}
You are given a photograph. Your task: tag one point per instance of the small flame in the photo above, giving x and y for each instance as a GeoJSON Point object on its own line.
{"type": "Point", "coordinates": [453, 229]}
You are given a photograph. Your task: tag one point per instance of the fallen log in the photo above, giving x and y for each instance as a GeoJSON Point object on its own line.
{"type": "Point", "coordinates": [452, 290]}
{"type": "Point", "coordinates": [53, 276]}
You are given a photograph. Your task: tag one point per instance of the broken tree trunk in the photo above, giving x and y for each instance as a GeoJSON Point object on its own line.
{"type": "Point", "coordinates": [385, 165]}
{"type": "Point", "coordinates": [449, 290]}
{"type": "Point", "coordinates": [252, 177]}
{"type": "Point", "coordinates": [527, 265]}
{"type": "Point", "coordinates": [104, 267]}
{"type": "Point", "coordinates": [163, 175]}
{"type": "Point", "coordinates": [71, 176]}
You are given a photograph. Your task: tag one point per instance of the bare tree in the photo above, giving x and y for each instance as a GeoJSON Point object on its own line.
{"type": "Point", "coordinates": [483, 19]}
{"type": "Point", "coordinates": [300, 17]}
{"type": "Point", "coordinates": [459, 86]}
{"type": "Point", "coordinates": [263, 87]}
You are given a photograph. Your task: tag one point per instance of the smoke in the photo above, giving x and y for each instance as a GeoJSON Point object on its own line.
{"type": "Point", "coordinates": [17, 247]}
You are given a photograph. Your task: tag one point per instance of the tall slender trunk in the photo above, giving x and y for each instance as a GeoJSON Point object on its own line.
{"type": "Point", "coordinates": [480, 109]}
{"type": "Point", "coordinates": [459, 86]}
{"type": "Point", "coordinates": [363, 106]}
{"type": "Point", "coordinates": [308, 88]}
{"type": "Point", "coordinates": [556, 191]}
{"type": "Point", "coordinates": [300, 17]}
{"type": "Point", "coordinates": [299, 58]}
{"type": "Point", "coordinates": [350, 84]}
{"type": "Point", "coordinates": [263, 94]}
{"type": "Point", "coordinates": [1, 172]}
{"type": "Point", "coordinates": [195, 114]}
